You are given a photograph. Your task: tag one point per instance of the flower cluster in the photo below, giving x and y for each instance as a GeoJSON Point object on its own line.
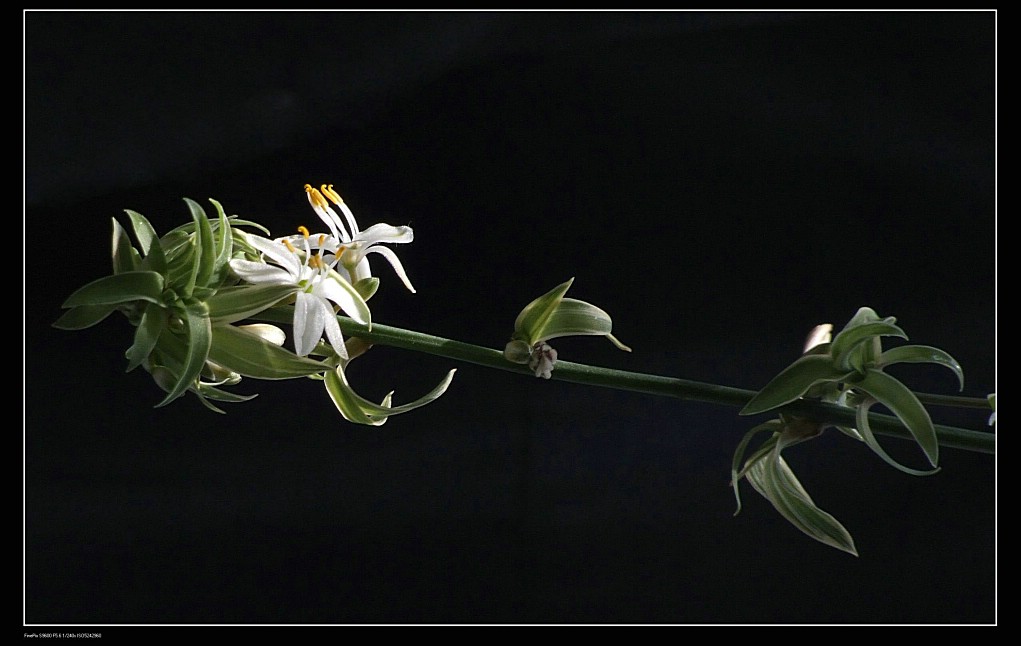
{"type": "Point", "coordinates": [189, 291]}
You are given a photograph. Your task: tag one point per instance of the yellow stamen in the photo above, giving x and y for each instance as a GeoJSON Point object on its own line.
{"type": "Point", "coordinates": [315, 197]}
{"type": "Point", "coordinates": [332, 194]}
{"type": "Point", "coordinates": [322, 239]}
{"type": "Point", "coordinates": [340, 252]}
{"type": "Point", "coordinates": [290, 247]}
{"type": "Point", "coordinates": [303, 231]}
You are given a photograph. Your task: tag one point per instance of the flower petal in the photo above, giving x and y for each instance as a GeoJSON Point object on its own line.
{"type": "Point", "coordinates": [381, 232]}
{"type": "Point", "coordinates": [279, 253]}
{"type": "Point", "coordinates": [334, 288]}
{"type": "Point", "coordinates": [395, 263]}
{"type": "Point", "coordinates": [308, 323]}
{"type": "Point", "coordinates": [261, 273]}
{"type": "Point", "coordinates": [333, 329]}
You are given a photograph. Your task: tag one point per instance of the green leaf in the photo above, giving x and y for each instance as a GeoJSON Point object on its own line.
{"type": "Point", "coordinates": [573, 317]}
{"type": "Point", "coordinates": [348, 402]}
{"type": "Point", "coordinates": [870, 440]}
{"type": "Point", "coordinates": [922, 354]}
{"type": "Point", "coordinates": [531, 321]}
{"type": "Point", "coordinates": [793, 382]}
{"type": "Point", "coordinates": [903, 403]}
{"type": "Point", "coordinates": [154, 320]}
{"type": "Point", "coordinates": [865, 315]}
{"type": "Point", "coordinates": [199, 339]}
{"type": "Point", "coordinates": [212, 392]}
{"type": "Point", "coordinates": [149, 242]}
{"type": "Point", "coordinates": [205, 251]}
{"type": "Point", "coordinates": [83, 316]}
{"type": "Point", "coordinates": [225, 246]}
{"type": "Point", "coordinates": [775, 480]}
{"type": "Point", "coordinates": [252, 356]}
{"type": "Point", "coordinates": [850, 432]}
{"type": "Point", "coordinates": [359, 410]}
{"type": "Point", "coordinates": [237, 303]}
{"type": "Point", "coordinates": [736, 471]}
{"type": "Point", "coordinates": [125, 257]}
{"type": "Point", "coordinates": [851, 338]}
{"type": "Point", "coordinates": [181, 268]}
{"type": "Point", "coordinates": [119, 288]}
{"type": "Point", "coordinates": [175, 242]}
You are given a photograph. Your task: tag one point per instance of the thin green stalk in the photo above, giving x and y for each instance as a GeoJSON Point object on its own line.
{"type": "Point", "coordinates": [949, 436]}
{"type": "Point", "coordinates": [955, 401]}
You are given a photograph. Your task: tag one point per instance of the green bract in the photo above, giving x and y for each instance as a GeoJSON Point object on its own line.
{"type": "Point", "coordinates": [551, 316]}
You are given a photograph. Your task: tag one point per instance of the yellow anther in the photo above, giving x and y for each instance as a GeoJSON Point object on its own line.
{"type": "Point", "coordinates": [315, 197]}
{"type": "Point", "coordinates": [322, 239]}
{"type": "Point", "coordinates": [332, 194]}
{"type": "Point", "coordinates": [290, 247]}
{"type": "Point", "coordinates": [340, 251]}
{"type": "Point", "coordinates": [303, 231]}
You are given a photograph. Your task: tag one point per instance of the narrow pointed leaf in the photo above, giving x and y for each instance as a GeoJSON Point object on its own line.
{"type": "Point", "coordinates": [922, 354]}
{"type": "Point", "coordinates": [147, 334]}
{"type": "Point", "coordinates": [850, 338]}
{"type": "Point", "coordinates": [573, 317]}
{"type": "Point", "coordinates": [148, 241]}
{"type": "Point", "coordinates": [174, 242]}
{"type": "Point", "coordinates": [736, 472]}
{"type": "Point", "coordinates": [850, 432]}
{"type": "Point", "coordinates": [865, 315]}
{"type": "Point", "coordinates": [231, 304]}
{"type": "Point", "coordinates": [144, 231]}
{"type": "Point", "coordinates": [252, 356]}
{"type": "Point", "coordinates": [793, 381]}
{"type": "Point", "coordinates": [359, 410]}
{"type": "Point", "coordinates": [347, 401]}
{"type": "Point", "coordinates": [83, 316]}
{"type": "Point", "coordinates": [532, 319]}
{"type": "Point", "coordinates": [903, 403]}
{"type": "Point", "coordinates": [225, 241]}
{"type": "Point", "coordinates": [212, 392]}
{"type": "Point", "coordinates": [775, 480]}
{"type": "Point", "coordinates": [199, 340]}
{"type": "Point", "coordinates": [870, 440]}
{"type": "Point", "coordinates": [620, 346]}
{"type": "Point", "coordinates": [205, 250]}
{"type": "Point", "coordinates": [124, 255]}
{"type": "Point", "coordinates": [119, 288]}
{"type": "Point", "coordinates": [208, 404]}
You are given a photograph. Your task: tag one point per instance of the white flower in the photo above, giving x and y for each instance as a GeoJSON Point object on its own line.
{"type": "Point", "coordinates": [318, 287]}
{"type": "Point", "coordinates": [346, 246]}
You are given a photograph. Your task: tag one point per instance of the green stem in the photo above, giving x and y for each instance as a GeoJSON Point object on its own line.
{"type": "Point", "coordinates": [954, 401]}
{"type": "Point", "coordinates": [949, 436]}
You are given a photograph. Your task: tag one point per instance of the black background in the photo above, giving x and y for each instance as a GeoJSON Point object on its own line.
{"type": "Point", "coordinates": [718, 182]}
